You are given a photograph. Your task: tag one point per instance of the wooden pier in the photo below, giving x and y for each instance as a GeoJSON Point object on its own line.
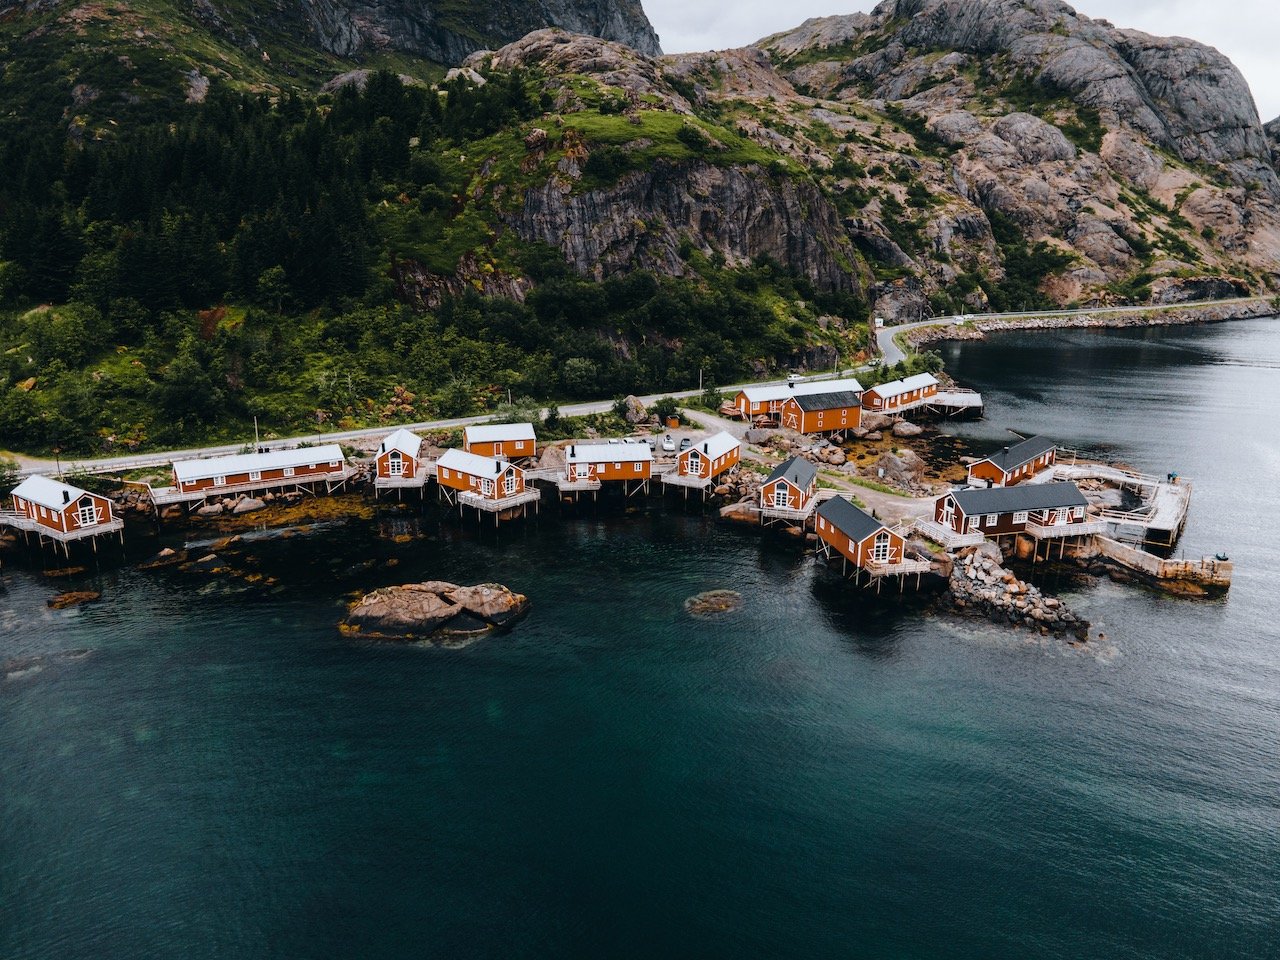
{"type": "Point", "coordinates": [1160, 519]}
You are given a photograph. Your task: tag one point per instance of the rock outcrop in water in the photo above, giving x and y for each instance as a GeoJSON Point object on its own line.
{"type": "Point", "coordinates": [434, 610]}
{"type": "Point", "coordinates": [978, 584]}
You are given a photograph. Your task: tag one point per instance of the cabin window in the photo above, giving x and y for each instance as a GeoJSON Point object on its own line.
{"type": "Point", "coordinates": [781, 498]}
{"type": "Point", "coordinates": [311, 466]}
{"type": "Point", "coordinates": [255, 474]}
{"type": "Point", "coordinates": [18, 504]}
{"type": "Point", "coordinates": [87, 515]}
{"type": "Point", "coordinates": [1077, 513]}
{"type": "Point", "coordinates": [880, 550]}
{"type": "Point", "coordinates": [510, 484]}
{"type": "Point", "coordinates": [219, 481]}
{"type": "Point", "coordinates": [333, 464]}
{"type": "Point", "coordinates": [635, 467]}
{"type": "Point", "coordinates": [486, 487]}
{"type": "Point", "coordinates": [991, 519]}
{"type": "Point", "coordinates": [617, 466]}
{"type": "Point", "coordinates": [288, 471]}
{"type": "Point", "coordinates": [519, 444]}
{"type": "Point", "coordinates": [43, 515]}
{"type": "Point", "coordinates": [973, 523]}
{"type": "Point", "coordinates": [1021, 516]}
{"type": "Point", "coordinates": [444, 472]}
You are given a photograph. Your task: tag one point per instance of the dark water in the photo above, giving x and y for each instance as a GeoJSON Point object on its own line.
{"type": "Point", "coordinates": [815, 775]}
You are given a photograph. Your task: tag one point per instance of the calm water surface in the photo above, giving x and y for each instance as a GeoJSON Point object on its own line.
{"type": "Point", "coordinates": [815, 775]}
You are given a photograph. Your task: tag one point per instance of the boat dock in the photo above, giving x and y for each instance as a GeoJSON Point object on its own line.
{"type": "Point", "coordinates": [1157, 522]}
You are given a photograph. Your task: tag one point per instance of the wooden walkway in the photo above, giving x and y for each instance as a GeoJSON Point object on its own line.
{"type": "Point", "coordinates": [1165, 504]}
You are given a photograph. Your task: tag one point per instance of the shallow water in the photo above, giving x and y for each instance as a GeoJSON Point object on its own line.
{"type": "Point", "coordinates": [818, 773]}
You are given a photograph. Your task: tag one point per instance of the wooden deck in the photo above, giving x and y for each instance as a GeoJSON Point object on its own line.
{"type": "Point", "coordinates": [490, 505]}
{"type": "Point", "coordinates": [21, 522]}
{"type": "Point", "coordinates": [945, 536]}
{"type": "Point", "coordinates": [1160, 518]}
{"type": "Point", "coordinates": [166, 496]}
{"type": "Point", "coordinates": [1059, 531]}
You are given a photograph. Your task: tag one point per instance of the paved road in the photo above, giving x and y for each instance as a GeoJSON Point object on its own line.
{"type": "Point", "coordinates": [885, 338]}
{"type": "Point", "coordinates": [892, 353]}
{"type": "Point", "coordinates": [28, 465]}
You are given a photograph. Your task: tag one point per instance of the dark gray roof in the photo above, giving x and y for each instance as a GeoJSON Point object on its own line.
{"type": "Point", "coordinates": [828, 401]}
{"type": "Point", "coordinates": [854, 523]}
{"type": "Point", "coordinates": [797, 471]}
{"type": "Point", "coordinates": [1025, 496]}
{"type": "Point", "coordinates": [1011, 458]}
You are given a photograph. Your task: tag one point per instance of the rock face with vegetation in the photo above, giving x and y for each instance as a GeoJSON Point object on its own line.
{"type": "Point", "coordinates": [569, 215]}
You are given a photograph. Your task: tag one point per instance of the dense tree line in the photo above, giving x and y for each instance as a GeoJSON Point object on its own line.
{"type": "Point", "coordinates": [235, 197]}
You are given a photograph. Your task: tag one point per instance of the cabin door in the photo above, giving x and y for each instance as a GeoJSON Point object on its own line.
{"type": "Point", "coordinates": [486, 487]}
{"type": "Point", "coordinates": [880, 549]}
{"type": "Point", "coordinates": [509, 484]}
{"type": "Point", "coordinates": [395, 465]}
{"type": "Point", "coordinates": [949, 514]}
{"type": "Point", "coordinates": [87, 515]}
{"type": "Point", "coordinates": [695, 463]}
{"type": "Point", "coordinates": [781, 499]}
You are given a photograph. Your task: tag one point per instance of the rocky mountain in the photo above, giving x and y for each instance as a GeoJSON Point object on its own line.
{"type": "Point", "coordinates": [140, 52]}
{"type": "Point", "coordinates": [930, 155]}
{"type": "Point", "coordinates": [933, 155]}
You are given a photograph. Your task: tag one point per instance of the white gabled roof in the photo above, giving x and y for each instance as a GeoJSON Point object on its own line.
{"type": "Point", "coordinates": [47, 492]}
{"type": "Point", "coordinates": [767, 394]}
{"type": "Point", "coordinates": [204, 469]}
{"type": "Point", "coordinates": [497, 432]}
{"type": "Point", "coordinates": [895, 387]}
{"type": "Point", "coordinates": [608, 453]}
{"type": "Point", "coordinates": [406, 441]}
{"type": "Point", "coordinates": [715, 447]}
{"type": "Point", "coordinates": [471, 463]}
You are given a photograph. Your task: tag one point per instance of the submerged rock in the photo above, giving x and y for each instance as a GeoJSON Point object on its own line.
{"type": "Point", "coordinates": [436, 608]}
{"type": "Point", "coordinates": [74, 598]}
{"type": "Point", "coordinates": [713, 602]}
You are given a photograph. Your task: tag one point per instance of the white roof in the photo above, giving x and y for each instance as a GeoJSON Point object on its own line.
{"type": "Point", "coordinates": [717, 446]}
{"type": "Point", "coordinates": [406, 441]}
{"type": "Point", "coordinates": [208, 467]}
{"type": "Point", "coordinates": [473, 464]}
{"type": "Point", "coordinates": [495, 432]}
{"type": "Point", "coordinates": [47, 492]}
{"type": "Point", "coordinates": [802, 388]}
{"type": "Point", "coordinates": [608, 452]}
{"type": "Point", "coordinates": [895, 387]}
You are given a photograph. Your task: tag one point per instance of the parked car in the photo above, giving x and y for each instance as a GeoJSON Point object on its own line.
{"type": "Point", "coordinates": [652, 442]}
{"type": "Point", "coordinates": [668, 444]}
{"type": "Point", "coordinates": [685, 444]}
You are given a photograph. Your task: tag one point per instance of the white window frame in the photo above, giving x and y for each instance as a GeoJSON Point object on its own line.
{"type": "Point", "coordinates": [882, 540]}
{"type": "Point", "coordinates": [973, 524]}
{"type": "Point", "coordinates": [255, 474]}
{"type": "Point", "coordinates": [219, 481]}
{"type": "Point", "coordinates": [509, 483]}
{"type": "Point", "coordinates": [288, 471]}
{"type": "Point", "coordinates": [781, 497]}
{"type": "Point", "coordinates": [635, 466]}
{"type": "Point", "coordinates": [1021, 516]}
{"type": "Point", "coordinates": [87, 514]}
{"type": "Point", "coordinates": [991, 520]}
{"type": "Point", "coordinates": [617, 465]}
{"type": "Point", "coordinates": [519, 444]}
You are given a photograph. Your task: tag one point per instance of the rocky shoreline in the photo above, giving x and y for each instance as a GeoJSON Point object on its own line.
{"type": "Point", "coordinates": [1172, 316]}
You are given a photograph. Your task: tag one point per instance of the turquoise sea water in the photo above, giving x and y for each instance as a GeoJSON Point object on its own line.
{"type": "Point", "coordinates": [819, 774]}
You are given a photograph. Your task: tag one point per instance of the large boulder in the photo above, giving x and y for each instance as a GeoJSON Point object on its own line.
{"type": "Point", "coordinates": [635, 412]}
{"type": "Point", "coordinates": [423, 611]}
{"type": "Point", "coordinates": [248, 505]}
{"type": "Point", "coordinates": [904, 428]}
